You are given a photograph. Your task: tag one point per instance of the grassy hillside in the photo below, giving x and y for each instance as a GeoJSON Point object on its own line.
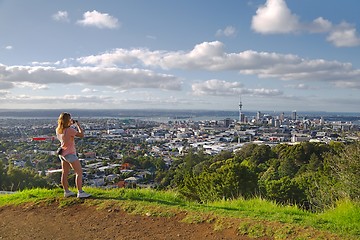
{"type": "Point", "coordinates": [260, 218]}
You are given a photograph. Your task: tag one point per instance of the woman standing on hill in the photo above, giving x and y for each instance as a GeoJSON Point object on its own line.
{"type": "Point", "coordinates": [68, 157]}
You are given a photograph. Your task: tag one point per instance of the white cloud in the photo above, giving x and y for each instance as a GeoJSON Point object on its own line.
{"type": "Point", "coordinates": [3, 93]}
{"type": "Point", "coordinates": [319, 25]}
{"type": "Point", "coordinates": [227, 32]}
{"type": "Point", "coordinates": [91, 101]}
{"type": "Point", "coordinates": [50, 101]}
{"type": "Point", "coordinates": [300, 86]}
{"type": "Point", "coordinates": [99, 20]}
{"type": "Point", "coordinates": [156, 100]}
{"type": "Point", "coordinates": [33, 86]}
{"type": "Point", "coordinates": [9, 47]}
{"type": "Point", "coordinates": [114, 77]}
{"type": "Point", "coordinates": [348, 84]}
{"type": "Point", "coordinates": [88, 90]}
{"type": "Point", "coordinates": [264, 92]}
{"type": "Point", "coordinates": [107, 70]}
{"type": "Point", "coordinates": [112, 57]}
{"type": "Point", "coordinates": [61, 16]}
{"type": "Point", "coordinates": [211, 56]}
{"type": "Point", "coordinates": [275, 17]}
{"type": "Point", "coordinates": [215, 87]}
{"type": "Point", "coordinates": [344, 35]}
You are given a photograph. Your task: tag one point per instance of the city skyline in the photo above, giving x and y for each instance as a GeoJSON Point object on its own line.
{"type": "Point", "coordinates": [278, 55]}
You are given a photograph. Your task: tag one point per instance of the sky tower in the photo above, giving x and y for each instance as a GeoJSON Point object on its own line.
{"type": "Point", "coordinates": [241, 114]}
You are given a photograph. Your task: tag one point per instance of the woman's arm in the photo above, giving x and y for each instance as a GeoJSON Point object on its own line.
{"type": "Point", "coordinates": [80, 132]}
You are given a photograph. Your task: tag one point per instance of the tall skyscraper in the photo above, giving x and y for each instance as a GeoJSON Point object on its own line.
{"type": "Point", "coordinates": [258, 115]}
{"type": "Point", "coordinates": [241, 114]}
{"type": "Point", "coordinates": [322, 121]}
{"type": "Point", "coordinates": [294, 115]}
{"type": "Point", "coordinates": [282, 116]}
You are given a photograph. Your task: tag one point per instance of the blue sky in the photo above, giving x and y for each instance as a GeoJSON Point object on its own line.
{"type": "Point", "coordinates": [277, 55]}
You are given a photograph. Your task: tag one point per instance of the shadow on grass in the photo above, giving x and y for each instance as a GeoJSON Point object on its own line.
{"type": "Point", "coordinates": [179, 203]}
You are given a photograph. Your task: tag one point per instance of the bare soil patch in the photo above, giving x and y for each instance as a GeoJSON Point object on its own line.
{"type": "Point", "coordinates": [81, 221]}
{"type": "Point", "coordinates": [87, 222]}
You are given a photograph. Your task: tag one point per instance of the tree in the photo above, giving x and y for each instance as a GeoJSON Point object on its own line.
{"type": "Point", "coordinates": [228, 180]}
{"type": "Point", "coordinates": [2, 174]}
{"type": "Point", "coordinates": [260, 154]}
{"type": "Point", "coordinates": [314, 163]}
{"type": "Point", "coordinates": [318, 188]}
{"type": "Point", "coordinates": [287, 168]}
{"type": "Point", "coordinates": [284, 190]}
{"type": "Point", "coordinates": [346, 168]}
{"type": "Point", "coordinates": [239, 180]}
{"type": "Point", "coordinates": [223, 155]}
{"type": "Point", "coordinates": [18, 179]}
{"type": "Point", "coordinates": [246, 151]}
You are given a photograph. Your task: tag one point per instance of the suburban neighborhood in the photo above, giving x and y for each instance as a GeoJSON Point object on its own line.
{"type": "Point", "coordinates": [127, 152]}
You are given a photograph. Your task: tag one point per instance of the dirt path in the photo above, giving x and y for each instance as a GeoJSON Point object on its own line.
{"type": "Point", "coordinates": [84, 222]}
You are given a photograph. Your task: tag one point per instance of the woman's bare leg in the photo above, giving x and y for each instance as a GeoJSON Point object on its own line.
{"type": "Point", "coordinates": [78, 171]}
{"type": "Point", "coordinates": [65, 166]}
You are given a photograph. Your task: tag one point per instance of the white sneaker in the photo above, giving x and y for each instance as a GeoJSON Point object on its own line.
{"type": "Point", "coordinates": [83, 195]}
{"type": "Point", "coordinates": [69, 194]}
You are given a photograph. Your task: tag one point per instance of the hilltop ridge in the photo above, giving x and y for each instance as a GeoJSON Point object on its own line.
{"type": "Point", "coordinates": [147, 214]}
{"type": "Point", "coordinates": [83, 221]}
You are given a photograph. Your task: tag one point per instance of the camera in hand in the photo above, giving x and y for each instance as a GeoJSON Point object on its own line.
{"type": "Point", "coordinates": [74, 121]}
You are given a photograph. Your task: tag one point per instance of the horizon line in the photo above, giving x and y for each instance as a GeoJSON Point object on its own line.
{"type": "Point", "coordinates": [167, 109]}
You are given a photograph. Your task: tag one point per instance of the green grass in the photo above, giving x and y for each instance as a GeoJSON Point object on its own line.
{"type": "Point", "coordinates": [345, 218]}
{"type": "Point", "coordinates": [259, 217]}
{"type": "Point", "coordinates": [32, 195]}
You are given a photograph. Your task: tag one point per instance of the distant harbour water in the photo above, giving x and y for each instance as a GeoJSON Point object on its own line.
{"type": "Point", "coordinates": [163, 115]}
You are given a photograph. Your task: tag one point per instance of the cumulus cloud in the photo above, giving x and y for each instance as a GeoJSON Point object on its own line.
{"type": "Point", "coordinates": [3, 93]}
{"type": "Point", "coordinates": [344, 35]}
{"type": "Point", "coordinates": [46, 101]}
{"type": "Point", "coordinates": [211, 56]}
{"type": "Point", "coordinates": [319, 25]}
{"type": "Point", "coordinates": [114, 77]}
{"type": "Point", "coordinates": [94, 101]}
{"type": "Point", "coordinates": [263, 92]}
{"type": "Point", "coordinates": [275, 17]}
{"type": "Point", "coordinates": [61, 16]}
{"type": "Point", "coordinates": [300, 86]}
{"type": "Point", "coordinates": [348, 84]}
{"type": "Point", "coordinates": [33, 86]}
{"type": "Point", "coordinates": [107, 69]}
{"type": "Point", "coordinates": [215, 87]}
{"type": "Point", "coordinates": [88, 90]}
{"type": "Point", "coordinates": [99, 20]}
{"type": "Point", "coordinates": [156, 100]}
{"type": "Point", "coordinates": [227, 32]}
